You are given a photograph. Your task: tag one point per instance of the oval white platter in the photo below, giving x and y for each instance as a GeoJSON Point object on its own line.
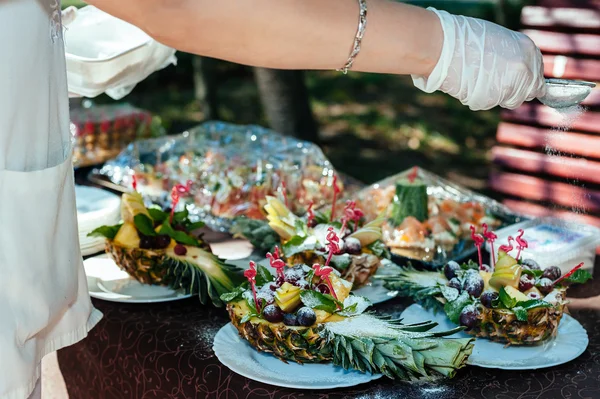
{"type": "Point", "coordinates": [237, 354]}
{"type": "Point", "coordinates": [570, 342]}
{"type": "Point", "coordinates": [106, 281]}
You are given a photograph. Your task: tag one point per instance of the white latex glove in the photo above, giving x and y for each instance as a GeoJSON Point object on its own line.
{"type": "Point", "coordinates": [484, 64]}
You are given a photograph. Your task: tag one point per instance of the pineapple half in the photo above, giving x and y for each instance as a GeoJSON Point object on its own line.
{"type": "Point", "coordinates": [309, 326]}
{"type": "Point", "coordinates": [517, 304]}
{"type": "Point", "coordinates": [153, 251]}
{"type": "Point", "coordinates": [362, 249]}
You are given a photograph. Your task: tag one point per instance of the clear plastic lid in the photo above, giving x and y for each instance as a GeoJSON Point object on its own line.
{"type": "Point", "coordinates": [552, 241]}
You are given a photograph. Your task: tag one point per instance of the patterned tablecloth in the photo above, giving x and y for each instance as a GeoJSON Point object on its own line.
{"type": "Point", "coordinates": [164, 351]}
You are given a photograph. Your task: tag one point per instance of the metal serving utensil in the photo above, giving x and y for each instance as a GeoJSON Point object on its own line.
{"type": "Point", "coordinates": [564, 93]}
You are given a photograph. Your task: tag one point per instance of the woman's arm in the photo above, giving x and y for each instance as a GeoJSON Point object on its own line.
{"type": "Point", "coordinates": [291, 34]}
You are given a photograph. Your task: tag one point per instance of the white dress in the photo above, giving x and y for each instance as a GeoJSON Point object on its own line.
{"type": "Point", "coordinates": [44, 302]}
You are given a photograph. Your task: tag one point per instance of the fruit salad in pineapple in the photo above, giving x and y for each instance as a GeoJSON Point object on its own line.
{"type": "Point", "coordinates": [306, 314]}
{"type": "Point", "coordinates": [357, 251]}
{"type": "Point", "coordinates": [515, 301]}
{"type": "Point", "coordinates": [158, 247]}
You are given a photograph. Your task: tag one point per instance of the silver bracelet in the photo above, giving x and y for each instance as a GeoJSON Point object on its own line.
{"type": "Point", "coordinates": [360, 32]}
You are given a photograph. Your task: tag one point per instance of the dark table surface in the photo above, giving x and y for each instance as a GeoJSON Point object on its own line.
{"type": "Point", "coordinates": [165, 351]}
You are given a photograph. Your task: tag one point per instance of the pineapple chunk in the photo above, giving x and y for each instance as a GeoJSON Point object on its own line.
{"type": "Point", "coordinates": [341, 287]}
{"type": "Point", "coordinates": [507, 272]}
{"type": "Point", "coordinates": [132, 204]}
{"type": "Point", "coordinates": [127, 236]}
{"type": "Point", "coordinates": [486, 276]}
{"type": "Point", "coordinates": [535, 291]}
{"type": "Point", "coordinates": [516, 294]}
{"type": "Point", "coordinates": [321, 315]}
{"type": "Point", "coordinates": [287, 297]}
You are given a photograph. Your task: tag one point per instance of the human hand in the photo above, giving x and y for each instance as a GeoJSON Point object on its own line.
{"type": "Point", "coordinates": [485, 65]}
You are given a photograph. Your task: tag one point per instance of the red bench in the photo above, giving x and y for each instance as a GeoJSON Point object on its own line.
{"type": "Point", "coordinates": [536, 165]}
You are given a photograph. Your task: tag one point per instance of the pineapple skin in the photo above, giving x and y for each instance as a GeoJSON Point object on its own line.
{"type": "Point", "coordinates": [297, 344]}
{"type": "Point", "coordinates": [359, 272]}
{"type": "Point", "coordinates": [501, 325]}
{"type": "Point", "coordinates": [142, 264]}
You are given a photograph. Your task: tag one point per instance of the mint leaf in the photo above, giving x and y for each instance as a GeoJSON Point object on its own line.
{"type": "Point", "coordinates": [520, 312]}
{"type": "Point", "coordinates": [194, 226]}
{"type": "Point", "coordinates": [579, 277]}
{"type": "Point", "coordinates": [105, 231]}
{"type": "Point", "coordinates": [157, 215]}
{"type": "Point", "coordinates": [181, 215]}
{"type": "Point", "coordinates": [322, 217]}
{"type": "Point", "coordinates": [532, 273]}
{"type": "Point", "coordinates": [179, 236]}
{"type": "Point", "coordinates": [144, 224]}
{"type": "Point", "coordinates": [533, 303]}
{"type": "Point", "coordinates": [297, 245]}
{"type": "Point", "coordinates": [301, 228]}
{"type": "Point", "coordinates": [506, 300]}
{"type": "Point", "coordinates": [454, 308]}
{"type": "Point", "coordinates": [449, 293]}
{"type": "Point", "coordinates": [354, 305]}
{"type": "Point", "coordinates": [341, 262]}
{"type": "Point", "coordinates": [263, 276]}
{"type": "Point", "coordinates": [470, 265]}
{"type": "Point", "coordinates": [379, 249]}
{"type": "Point", "coordinates": [234, 295]}
{"type": "Point", "coordinates": [316, 300]}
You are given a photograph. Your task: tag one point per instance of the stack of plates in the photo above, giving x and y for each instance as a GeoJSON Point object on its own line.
{"type": "Point", "coordinates": [95, 208]}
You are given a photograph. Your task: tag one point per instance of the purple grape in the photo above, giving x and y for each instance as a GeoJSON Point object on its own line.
{"type": "Point", "coordinates": [272, 313]}
{"type": "Point", "coordinates": [552, 272]}
{"type": "Point", "coordinates": [468, 316]}
{"type": "Point", "coordinates": [289, 319]}
{"type": "Point", "coordinates": [486, 268]}
{"type": "Point", "coordinates": [180, 250]}
{"type": "Point", "coordinates": [487, 298]}
{"type": "Point", "coordinates": [147, 242]}
{"type": "Point", "coordinates": [279, 281]}
{"type": "Point", "coordinates": [352, 246]}
{"type": "Point", "coordinates": [323, 289]}
{"type": "Point", "coordinates": [306, 317]}
{"type": "Point", "coordinates": [450, 269]}
{"type": "Point", "coordinates": [162, 241]}
{"type": "Point", "coordinates": [545, 285]}
{"type": "Point", "coordinates": [534, 295]}
{"type": "Point", "coordinates": [530, 264]}
{"type": "Point", "coordinates": [526, 282]}
{"type": "Point", "coordinates": [473, 284]}
{"type": "Point", "coordinates": [455, 283]}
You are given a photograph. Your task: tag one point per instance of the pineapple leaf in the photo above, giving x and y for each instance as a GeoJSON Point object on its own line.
{"type": "Point", "coordinates": [144, 224]}
{"type": "Point", "coordinates": [106, 231]}
{"type": "Point", "coordinates": [421, 286]}
{"type": "Point", "coordinates": [258, 232]}
{"type": "Point", "coordinates": [378, 345]}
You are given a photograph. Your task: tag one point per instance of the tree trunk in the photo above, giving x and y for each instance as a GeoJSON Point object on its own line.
{"type": "Point", "coordinates": [286, 103]}
{"type": "Point", "coordinates": [205, 83]}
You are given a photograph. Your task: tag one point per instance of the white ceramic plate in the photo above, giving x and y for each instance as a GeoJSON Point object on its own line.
{"type": "Point", "coordinates": [94, 203]}
{"type": "Point", "coordinates": [374, 291]}
{"type": "Point", "coordinates": [237, 354]}
{"type": "Point", "coordinates": [570, 342]}
{"type": "Point", "coordinates": [106, 281]}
